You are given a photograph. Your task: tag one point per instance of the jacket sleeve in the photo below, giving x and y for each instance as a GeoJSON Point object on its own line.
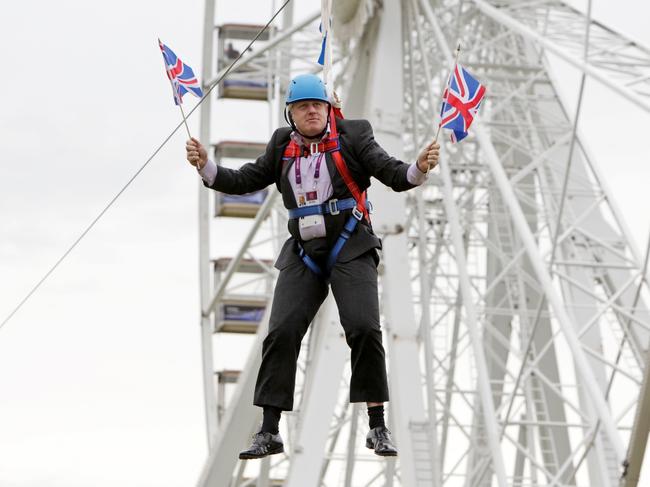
{"type": "Point", "coordinates": [376, 161]}
{"type": "Point", "coordinates": [252, 176]}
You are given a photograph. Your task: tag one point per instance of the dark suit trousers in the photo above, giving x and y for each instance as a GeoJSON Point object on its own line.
{"type": "Point", "coordinates": [298, 295]}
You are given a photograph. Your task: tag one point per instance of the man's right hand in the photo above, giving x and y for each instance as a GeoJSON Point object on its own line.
{"type": "Point", "coordinates": [196, 153]}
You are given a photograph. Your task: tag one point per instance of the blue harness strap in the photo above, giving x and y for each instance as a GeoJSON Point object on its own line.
{"type": "Point", "coordinates": [309, 262]}
{"type": "Point", "coordinates": [345, 234]}
{"type": "Point", "coordinates": [349, 227]}
{"type": "Point", "coordinates": [331, 207]}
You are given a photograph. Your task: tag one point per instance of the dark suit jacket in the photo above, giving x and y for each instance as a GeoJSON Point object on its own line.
{"type": "Point", "coordinates": [364, 158]}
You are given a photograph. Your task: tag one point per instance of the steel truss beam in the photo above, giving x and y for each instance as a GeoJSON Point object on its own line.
{"type": "Point", "coordinates": [619, 63]}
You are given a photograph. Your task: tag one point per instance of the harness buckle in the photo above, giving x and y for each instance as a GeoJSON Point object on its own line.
{"type": "Point", "coordinates": [357, 214]}
{"type": "Point", "coordinates": [369, 206]}
{"type": "Point", "coordinates": [333, 207]}
{"type": "Point", "coordinates": [313, 148]}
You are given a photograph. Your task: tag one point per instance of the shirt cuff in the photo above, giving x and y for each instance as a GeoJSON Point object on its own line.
{"type": "Point", "coordinates": [415, 176]}
{"type": "Point", "coordinates": [209, 172]}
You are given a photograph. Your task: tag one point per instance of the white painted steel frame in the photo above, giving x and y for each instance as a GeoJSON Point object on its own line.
{"type": "Point", "coordinates": [380, 92]}
{"type": "Point", "coordinates": [619, 63]}
{"type": "Point", "coordinates": [630, 249]}
{"type": "Point", "coordinates": [205, 272]}
{"type": "Point", "coordinates": [509, 205]}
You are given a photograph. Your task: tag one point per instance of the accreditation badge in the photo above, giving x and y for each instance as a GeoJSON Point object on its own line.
{"type": "Point", "coordinates": [308, 199]}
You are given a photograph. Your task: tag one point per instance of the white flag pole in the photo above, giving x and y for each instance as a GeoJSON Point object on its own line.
{"type": "Point", "coordinates": [180, 105]}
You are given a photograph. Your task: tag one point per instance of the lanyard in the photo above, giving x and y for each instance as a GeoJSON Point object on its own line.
{"type": "Point", "coordinates": [316, 172]}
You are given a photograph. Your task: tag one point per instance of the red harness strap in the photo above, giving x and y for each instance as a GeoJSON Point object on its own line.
{"type": "Point", "coordinates": [342, 167]}
{"type": "Point", "coordinates": [293, 150]}
{"type": "Point", "coordinates": [331, 144]}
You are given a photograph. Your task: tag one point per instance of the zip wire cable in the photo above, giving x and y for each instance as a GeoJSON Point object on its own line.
{"type": "Point", "coordinates": [137, 173]}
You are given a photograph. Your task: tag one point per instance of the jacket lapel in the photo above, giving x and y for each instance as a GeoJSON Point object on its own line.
{"type": "Point", "coordinates": [287, 192]}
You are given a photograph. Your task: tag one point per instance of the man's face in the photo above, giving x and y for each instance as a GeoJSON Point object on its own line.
{"type": "Point", "coordinates": [310, 116]}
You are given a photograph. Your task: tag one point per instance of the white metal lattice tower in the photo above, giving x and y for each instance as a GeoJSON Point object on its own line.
{"type": "Point", "coordinates": [514, 301]}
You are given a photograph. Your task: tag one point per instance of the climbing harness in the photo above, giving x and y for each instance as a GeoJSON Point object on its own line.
{"type": "Point", "coordinates": [358, 203]}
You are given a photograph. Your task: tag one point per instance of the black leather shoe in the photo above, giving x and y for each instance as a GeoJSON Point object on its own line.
{"type": "Point", "coordinates": [379, 439]}
{"type": "Point", "coordinates": [263, 444]}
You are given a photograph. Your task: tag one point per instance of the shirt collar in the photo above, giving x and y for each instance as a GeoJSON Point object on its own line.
{"type": "Point", "coordinates": [300, 140]}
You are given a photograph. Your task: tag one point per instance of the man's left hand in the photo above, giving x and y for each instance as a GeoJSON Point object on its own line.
{"type": "Point", "coordinates": [428, 158]}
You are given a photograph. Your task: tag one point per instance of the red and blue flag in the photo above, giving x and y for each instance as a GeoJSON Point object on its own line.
{"type": "Point", "coordinates": [180, 75]}
{"type": "Point", "coordinates": [461, 101]}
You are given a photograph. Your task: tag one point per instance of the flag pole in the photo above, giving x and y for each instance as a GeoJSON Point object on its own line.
{"type": "Point", "coordinates": [180, 105]}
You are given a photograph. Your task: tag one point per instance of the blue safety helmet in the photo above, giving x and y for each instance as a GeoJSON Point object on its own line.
{"type": "Point", "coordinates": [306, 87]}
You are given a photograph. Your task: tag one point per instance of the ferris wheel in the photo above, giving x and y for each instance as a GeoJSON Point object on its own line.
{"type": "Point", "coordinates": [514, 301]}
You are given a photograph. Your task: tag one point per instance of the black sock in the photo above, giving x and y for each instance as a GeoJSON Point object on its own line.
{"type": "Point", "coordinates": [271, 420]}
{"type": "Point", "coordinates": [376, 416]}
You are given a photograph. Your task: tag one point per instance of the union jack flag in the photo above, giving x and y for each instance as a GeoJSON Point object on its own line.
{"type": "Point", "coordinates": [180, 75]}
{"type": "Point", "coordinates": [461, 101]}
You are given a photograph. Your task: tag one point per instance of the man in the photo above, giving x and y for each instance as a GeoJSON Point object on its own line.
{"type": "Point", "coordinates": [322, 166]}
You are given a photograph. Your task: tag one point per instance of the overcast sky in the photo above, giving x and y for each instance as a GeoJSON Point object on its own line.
{"type": "Point", "coordinates": [100, 373]}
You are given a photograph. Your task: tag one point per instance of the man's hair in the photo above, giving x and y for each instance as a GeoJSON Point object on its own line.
{"type": "Point", "coordinates": [296, 102]}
